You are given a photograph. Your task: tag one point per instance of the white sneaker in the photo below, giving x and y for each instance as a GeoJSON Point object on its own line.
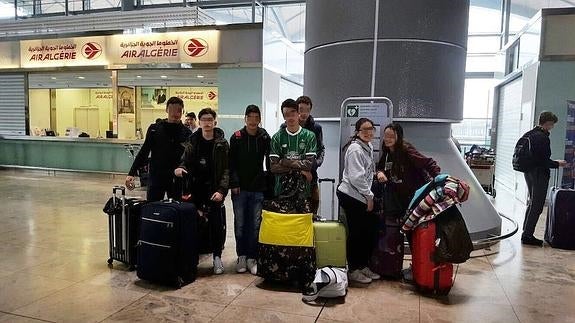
{"type": "Point", "coordinates": [368, 273]}
{"type": "Point", "coordinates": [218, 266]}
{"type": "Point", "coordinates": [241, 264]}
{"type": "Point", "coordinates": [252, 266]}
{"type": "Point", "coordinates": [358, 276]}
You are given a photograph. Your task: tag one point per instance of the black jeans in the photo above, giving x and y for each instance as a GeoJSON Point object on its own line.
{"type": "Point", "coordinates": [537, 183]}
{"type": "Point", "coordinates": [362, 231]}
{"type": "Point", "coordinates": [216, 225]}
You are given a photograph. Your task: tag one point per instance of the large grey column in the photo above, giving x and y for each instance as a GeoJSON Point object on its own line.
{"type": "Point", "coordinates": [419, 62]}
{"type": "Point", "coordinates": [412, 52]}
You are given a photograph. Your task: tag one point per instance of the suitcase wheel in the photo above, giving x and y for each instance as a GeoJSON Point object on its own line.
{"type": "Point", "coordinates": [110, 261]}
{"type": "Point", "coordinates": [179, 282]}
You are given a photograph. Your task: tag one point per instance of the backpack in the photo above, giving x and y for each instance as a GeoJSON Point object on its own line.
{"type": "Point", "coordinates": [334, 281]}
{"type": "Point", "coordinates": [522, 156]}
{"type": "Point", "coordinates": [453, 243]}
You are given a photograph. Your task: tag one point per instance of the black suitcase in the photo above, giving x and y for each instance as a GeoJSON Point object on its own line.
{"type": "Point", "coordinates": [560, 226]}
{"type": "Point", "coordinates": [168, 246]}
{"type": "Point", "coordinates": [387, 257]}
{"type": "Point", "coordinates": [123, 226]}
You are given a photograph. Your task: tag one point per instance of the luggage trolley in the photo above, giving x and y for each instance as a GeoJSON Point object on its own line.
{"type": "Point", "coordinates": [481, 161]}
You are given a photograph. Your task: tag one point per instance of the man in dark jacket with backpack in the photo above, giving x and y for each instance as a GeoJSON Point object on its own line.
{"type": "Point", "coordinates": [164, 140]}
{"type": "Point", "coordinates": [205, 161]}
{"type": "Point", "coordinates": [249, 148]}
{"type": "Point", "coordinates": [537, 173]}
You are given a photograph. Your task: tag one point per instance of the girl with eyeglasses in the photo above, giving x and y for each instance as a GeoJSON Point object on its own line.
{"type": "Point", "coordinates": [356, 199]}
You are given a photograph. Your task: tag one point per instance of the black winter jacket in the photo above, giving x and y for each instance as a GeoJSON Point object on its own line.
{"type": "Point", "coordinates": [541, 148]}
{"type": "Point", "coordinates": [164, 140]}
{"type": "Point", "coordinates": [220, 179]}
{"type": "Point", "coordinates": [247, 154]}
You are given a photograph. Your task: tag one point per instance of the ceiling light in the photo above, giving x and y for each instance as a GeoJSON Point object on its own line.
{"type": "Point", "coordinates": [53, 78]}
{"type": "Point", "coordinates": [164, 77]}
{"type": "Point", "coordinates": [139, 76]}
{"type": "Point", "coordinates": [81, 77]}
{"type": "Point", "coordinates": [200, 76]}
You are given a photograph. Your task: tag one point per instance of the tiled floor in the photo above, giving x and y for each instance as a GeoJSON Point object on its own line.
{"type": "Point", "coordinates": [53, 252]}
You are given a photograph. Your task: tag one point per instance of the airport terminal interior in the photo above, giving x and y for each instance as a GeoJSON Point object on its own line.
{"type": "Point", "coordinates": [54, 247]}
{"type": "Point", "coordinates": [81, 81]}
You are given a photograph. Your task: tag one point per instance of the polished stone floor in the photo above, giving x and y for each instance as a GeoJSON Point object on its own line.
{"type": "Point", "coordinates": [53, 252]}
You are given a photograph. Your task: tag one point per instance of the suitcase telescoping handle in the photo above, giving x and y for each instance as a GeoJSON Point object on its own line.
{"type": "Point", "coordinates": [332, 181]}
{"type": "Point", "coordinates": [321, 180]}
{"type": "Point", "coordinates": [119, 188]}
{"type": "Point", "coordinates": [559, 185]}
{"type": "Point", "coordinates": [115, 190]}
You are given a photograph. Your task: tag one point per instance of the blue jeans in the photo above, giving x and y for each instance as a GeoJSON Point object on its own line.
{"type": "Point", "coordinates": [247, 219]}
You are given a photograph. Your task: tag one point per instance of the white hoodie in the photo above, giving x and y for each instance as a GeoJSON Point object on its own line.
{"type": "Point", "coordinates": [358, 171]}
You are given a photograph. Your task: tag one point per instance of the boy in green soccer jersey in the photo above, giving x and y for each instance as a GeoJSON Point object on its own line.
{"type": "Point", "coordinates": [293, 148]}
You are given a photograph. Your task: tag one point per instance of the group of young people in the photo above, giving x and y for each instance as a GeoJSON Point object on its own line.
{"type": "Point", "coordinates": [194, 161]}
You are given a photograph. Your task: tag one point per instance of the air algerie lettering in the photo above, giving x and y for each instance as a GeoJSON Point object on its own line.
{"type": "Point", "coordinates": [150, 53]}
{"type": "Point", "coordinates": [53, 56]}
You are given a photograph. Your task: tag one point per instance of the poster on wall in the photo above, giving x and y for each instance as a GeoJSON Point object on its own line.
{"type": "Point", "coordinates": [9, 53]}
{"type": "Point", "coordinates": [569, 173]}
{"type": "Point", "coordinates": [197, 98]}
{"type": "Point", "coordinates": [153, 97]}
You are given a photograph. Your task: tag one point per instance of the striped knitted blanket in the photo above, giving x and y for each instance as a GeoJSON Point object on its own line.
{"type": "Point", "coordinates": [442, 196]}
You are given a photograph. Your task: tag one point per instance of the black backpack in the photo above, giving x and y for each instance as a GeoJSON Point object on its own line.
{"type": "Point", "coordinates": [454, 245]}
{"type": "Point", "coordinates": [522, 156]}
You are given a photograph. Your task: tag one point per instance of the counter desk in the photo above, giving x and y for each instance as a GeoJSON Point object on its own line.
{"type": "Point", "coordinates": [98, 155]}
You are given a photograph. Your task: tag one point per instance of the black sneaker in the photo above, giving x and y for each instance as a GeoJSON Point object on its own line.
{"type": "Point", "coordinates": [532, 241]}
{"type": "Point", "coordinates": [407, 275]}
{"type": "Point", "coordinates": [310, 292]}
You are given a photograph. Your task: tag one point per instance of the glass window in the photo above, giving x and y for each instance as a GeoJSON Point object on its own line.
{"type": "Point", "coordinates": [224, 16]}
{"type": "Point", "coordinates": [482, 44]}
{"type": "Point", "coordinates": [484, 16]}
{"type": "Point", "coordinates": [477, 113]}
{"type": "Point", "coordinates": [529, 44]}
{"type": "Point", "coordinates": [482, 63]}
{"type": "Point", "coordinates": [70, 103]}
{"type": "Point", "coordinates": [284, 45]}
{"type": "Point", "coordinates": [477, 97]}
{"type": "Point", "coordinates": [522, 11]}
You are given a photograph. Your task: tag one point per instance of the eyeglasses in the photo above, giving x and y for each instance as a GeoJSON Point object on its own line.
{"type": "Point", "coordinates": [371, 129]}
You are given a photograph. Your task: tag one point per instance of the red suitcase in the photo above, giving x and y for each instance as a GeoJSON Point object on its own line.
{"type": "Point", "coordinates": [429, 276]}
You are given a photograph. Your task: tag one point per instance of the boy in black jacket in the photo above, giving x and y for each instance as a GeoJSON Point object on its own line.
{"type": "Point", "coordinates": [306, 121]}
{"type": "Point", "coordinates": [249, 148]}
{"type": "Point", "coordinates": [205, 160]}
{"type": "Point", "coordinates": [164, 140]}
{"type": "Point", "coordinates": [538, 177]}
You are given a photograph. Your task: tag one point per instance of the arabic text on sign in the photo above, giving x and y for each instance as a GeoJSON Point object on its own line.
{"type": "Point", "coordinates": [172, 42]}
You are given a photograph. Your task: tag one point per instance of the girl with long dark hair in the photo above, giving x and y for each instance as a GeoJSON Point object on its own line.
{"type": "Point", "coordinates": [356, 199]}
{"type": "Point", "coordinates": [404, 167]}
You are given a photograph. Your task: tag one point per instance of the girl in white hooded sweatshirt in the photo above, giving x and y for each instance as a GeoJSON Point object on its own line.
{"type": "Point", "coordinates": [356, 199]}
